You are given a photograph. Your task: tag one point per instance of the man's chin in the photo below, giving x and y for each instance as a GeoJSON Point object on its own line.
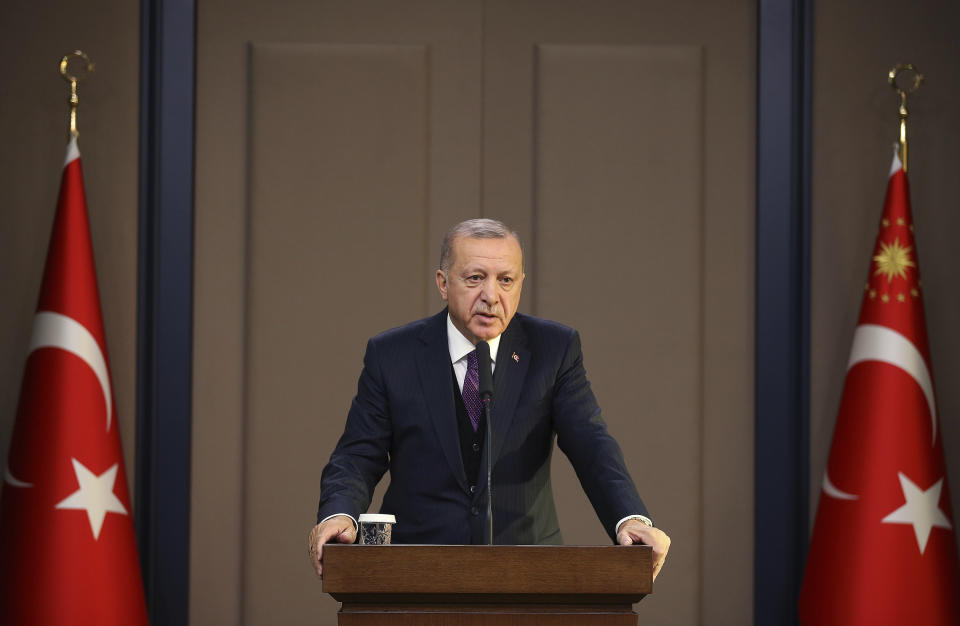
{"type": "Point", "coordinates": [487, 331]}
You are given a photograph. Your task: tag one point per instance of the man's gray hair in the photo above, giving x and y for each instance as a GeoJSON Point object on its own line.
{"type": "Point", "coordinates": [481, 228]}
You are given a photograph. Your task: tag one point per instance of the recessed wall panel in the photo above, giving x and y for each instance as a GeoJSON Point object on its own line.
{"type": "Point", "coordinates": [617, 246]}
{"type": "Point", "coordinates": [336, 250]}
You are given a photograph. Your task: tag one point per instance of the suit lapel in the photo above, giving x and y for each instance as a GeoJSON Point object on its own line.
{"type": "Point", "coordinates": [433, 365]}
{"type": "Point", "coordinates": [513, 360]}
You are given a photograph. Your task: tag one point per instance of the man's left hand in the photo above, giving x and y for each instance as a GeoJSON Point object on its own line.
{"type": "Point", "coordinates": [634, 531]}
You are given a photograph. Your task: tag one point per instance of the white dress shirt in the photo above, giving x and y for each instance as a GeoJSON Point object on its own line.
{"type": "Point", "coordinates": [460, 347]}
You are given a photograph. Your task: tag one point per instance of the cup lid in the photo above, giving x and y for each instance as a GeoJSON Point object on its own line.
{"type": "Point", "coordinates": [378, 518]}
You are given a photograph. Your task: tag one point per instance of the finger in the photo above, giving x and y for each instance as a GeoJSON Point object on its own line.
{"type": "Point", "coordinates": [324, 534]}
{"type": "Point", "coordinates": [347, 535]}
{"type": "Point", "coordinates": [327, 534]}
{"type": "Point", "coordinates": [315, 562]}
{"type": "Point", "coordinates": [318, 552]}
{"type": "Point", "coordinates": [318, 536]}
{"type": "Point", "coordinates": [658, 562]}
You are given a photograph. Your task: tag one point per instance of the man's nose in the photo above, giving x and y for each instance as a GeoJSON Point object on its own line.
{"type": "Point", "coordinates": [490, 294]}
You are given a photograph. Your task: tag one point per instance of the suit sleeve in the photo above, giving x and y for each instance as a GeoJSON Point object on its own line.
{"type": "Point", "coordinates": [595, 455]}
{"type": "Point", "coordinates": [362, 455]}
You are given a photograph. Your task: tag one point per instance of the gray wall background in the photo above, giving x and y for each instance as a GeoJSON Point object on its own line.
{"type": "Point", "coordinates": [252, 494]}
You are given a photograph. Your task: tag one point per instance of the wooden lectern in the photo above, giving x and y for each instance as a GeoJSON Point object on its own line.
{"type": "Point", "coordinates": [476, 585]}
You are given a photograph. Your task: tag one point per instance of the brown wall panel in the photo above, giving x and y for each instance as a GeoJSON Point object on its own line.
{"type": "Point", "coordinates": [331, 156]}
{"type": "Point", "coordinates": [618, 235]}
{"type": "Point", "coordinates": [321, 235]}
{"type": "Point", "coordinates": [720, 560]}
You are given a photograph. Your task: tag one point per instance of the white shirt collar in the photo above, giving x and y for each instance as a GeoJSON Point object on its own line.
{"type": "Point", "coordinates": [460, 346]}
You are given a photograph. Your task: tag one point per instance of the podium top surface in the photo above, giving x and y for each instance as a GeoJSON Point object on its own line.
{"type": "Point", "coordinates": [577, 572]}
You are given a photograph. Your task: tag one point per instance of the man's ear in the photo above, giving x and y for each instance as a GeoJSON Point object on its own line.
{"type": "Point", "coordinates": [442, 284]}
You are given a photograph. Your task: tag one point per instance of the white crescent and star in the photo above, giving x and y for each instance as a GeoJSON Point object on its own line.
{"type": "Point", "coordinates": [879, 343]}
{"type": "Point", "coordinates": [831, 490]}
{"type": "Point", "coordinates": [872, 342]}
{"type": "Point", "coordinates": [921, 510]}
{"type": "Point", "coordinates": [95, 495]}
{"type": "Point", "coordinates": [54, 330]}
{"type": "Point", "coordinates": [12, 480]}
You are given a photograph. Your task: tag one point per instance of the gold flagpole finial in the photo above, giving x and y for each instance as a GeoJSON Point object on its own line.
{"type": "Point", "coordinates": [84, 68]}
{"type": "Point", "coordinates": [892, 76]}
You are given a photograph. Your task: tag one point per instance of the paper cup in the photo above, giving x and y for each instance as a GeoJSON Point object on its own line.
{"type": "Point", "coordinates": [376, 528]}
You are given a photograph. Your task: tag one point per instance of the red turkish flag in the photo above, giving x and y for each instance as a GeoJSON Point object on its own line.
{"type": "Point", "coordinates": [884, 548]}
{"type": "Point", "coordinates": [68, 553]}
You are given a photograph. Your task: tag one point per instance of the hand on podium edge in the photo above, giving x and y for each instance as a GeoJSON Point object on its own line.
{"type": "Point", "coordinates": [339, 529]}
{"type": "Point", "coordinates": [634, 531]}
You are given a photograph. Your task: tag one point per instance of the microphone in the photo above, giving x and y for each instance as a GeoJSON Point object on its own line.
{"type": "Point", "coordinates": [485, 389]}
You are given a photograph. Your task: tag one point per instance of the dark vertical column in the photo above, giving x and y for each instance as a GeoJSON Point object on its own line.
{"type": "Point", "coordinates": [784, 59]}
{"type": "Point", "coordinates": [165, 304]}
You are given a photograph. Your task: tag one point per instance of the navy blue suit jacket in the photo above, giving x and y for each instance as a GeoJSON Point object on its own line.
{"type": "Point", "coordinates": [404, 419]}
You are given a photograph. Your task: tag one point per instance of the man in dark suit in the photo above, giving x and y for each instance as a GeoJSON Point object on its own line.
{"type": "Point", "coordinates": [417, 413]}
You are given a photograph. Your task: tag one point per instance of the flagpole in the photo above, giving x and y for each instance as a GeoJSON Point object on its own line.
{"type": "Point", "coordinates": [903, 93]}
{"type": "Point", "coordinates": [73, 79]}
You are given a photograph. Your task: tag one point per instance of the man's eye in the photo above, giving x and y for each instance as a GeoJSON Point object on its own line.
{"type": "Point", "coordinates": [475, 278]}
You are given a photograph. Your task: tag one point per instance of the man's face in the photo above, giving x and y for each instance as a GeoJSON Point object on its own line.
{"type": "Point", "coordinates": [482, 287]}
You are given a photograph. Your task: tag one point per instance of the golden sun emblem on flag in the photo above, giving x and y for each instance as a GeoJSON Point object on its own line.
{"type": "Point", "coordinates": [893, 260]}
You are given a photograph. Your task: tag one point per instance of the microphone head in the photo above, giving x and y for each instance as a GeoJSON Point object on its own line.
{"type": "Point", "coordinates": [485, 386]}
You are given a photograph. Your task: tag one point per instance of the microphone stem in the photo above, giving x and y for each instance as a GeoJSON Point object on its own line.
{"type": "Point", "coordinates": [489, 446]}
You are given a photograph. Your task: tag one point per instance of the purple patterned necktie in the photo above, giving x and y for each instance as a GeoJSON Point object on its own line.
{"type": "Point", "coordinates": [471, 393]}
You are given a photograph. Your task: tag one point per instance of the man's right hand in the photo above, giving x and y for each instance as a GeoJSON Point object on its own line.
{"type": "Point", "coordinates": [339, 529]}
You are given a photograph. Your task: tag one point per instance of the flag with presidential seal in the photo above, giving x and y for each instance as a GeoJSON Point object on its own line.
{"type": "Point", "coordinates": [884, 547]}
